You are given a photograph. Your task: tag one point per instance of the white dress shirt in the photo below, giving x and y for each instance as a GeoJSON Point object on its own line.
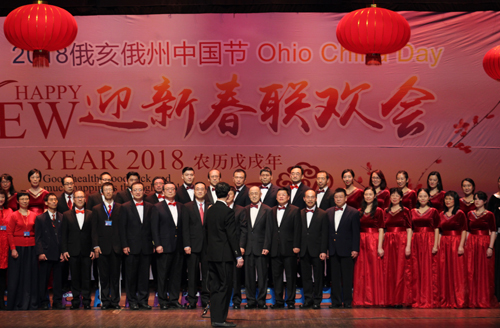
{"type": "Point", "coordinates": [338, 216]}
{"type": "Point", "coordinates": [190, 192]}
{"type": "Point", "coordinates": [279, 214]}
{"type": "Point", "coordinates": [173, 211]}
{"type": "Point", "coordinates": [293, 192]}
{"type": "Point", "coordinates": [253, 213]}
{"type": "Point", "coordinates": [319, 196]}
{"type": "Point", "coordinates": [264, 191]}
{"type": "Point", "coordinates": [309, 215]}
{"type": "Point", "coordinates": [140, 209]}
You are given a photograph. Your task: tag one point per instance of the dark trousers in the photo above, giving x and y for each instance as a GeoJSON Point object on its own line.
{"type": "Point", "coordinates": [220, 284]}
{"type": "Point", "coordinates": [169, 277]}
{"type": "Point", "coordinates": [193, 266]}
{"type": "Point", "coordinates": [44, 271]}
{"type": "Point", "coordinates": [237, 279]}
{"type": "Point", "coordinates": [22, 287]}
{"type": "Point", "coordinates": [137, 278]}
{"type": "Point", "coordinates": [289, 263]}
{"type": "Point", "coordinates": [253, 263]}
{"type": "Point", "coordinates": [80, 278]}
{"type": "Point", "coordinates": [3, 287]}
{"type": "Point", "coordinates": [342, 269]}
{"type": "Point", "coordinates": [109, 277]}
{"type": "Point", "coordinates": [313, 294]}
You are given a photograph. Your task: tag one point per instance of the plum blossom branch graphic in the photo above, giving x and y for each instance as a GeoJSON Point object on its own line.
{"type": "Point", "coordinates": [437, 161]}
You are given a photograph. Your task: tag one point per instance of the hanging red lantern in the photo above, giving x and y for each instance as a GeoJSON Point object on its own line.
{"type": "Point", "coordinates": [491, 63]}
{"type": "Point", "coordinates": [373, 31]}
{"type": "Point", "coordinates": [40, 28]}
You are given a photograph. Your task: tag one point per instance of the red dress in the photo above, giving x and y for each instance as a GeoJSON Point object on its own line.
{"type": "Point", "coordinates": [453, 286]}
{"type": "Point", "coordinates": [37, 204]}
{"type": "Point", "coordinates": [409, 199]}
{"type": "Point", "coordinates": [12, 202]}
{"type": "Point", "coordinates": [4, 241]}
{"type": "Point", "coordinates": [383, 198]}
{"type": "Point", "coordinates": [354, 198]}
{"type": "Point", "coordinates": [480, 268]}
{"type": "Point", "coordinates": [437, 201]}
{"type": "Point", "coordinates": [369, 268]}
{"type": "Point", "coordinates": [424, 263]}
{"type": "Point", "coordinates": [467, 207]}
{"type": "Point", "coordinates": [397, 267]}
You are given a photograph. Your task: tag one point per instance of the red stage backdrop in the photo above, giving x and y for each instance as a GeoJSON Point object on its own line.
{"type": "Point", "coordinates": [157, 93]}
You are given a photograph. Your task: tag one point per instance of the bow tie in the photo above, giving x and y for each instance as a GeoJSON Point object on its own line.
{"type": "Point", "coordinates": [161, 197]}
{"type": "Point", "coordinates": [309, 211]}
{"type": "Point", "coordinates": [292, 187]}
{"type": "Point", "coordinates": [338, 208]}
{"type": "Point", "coordinates": [281, 207]}
{"type": "Point", "coordinates": [172, 204]}
{"type": "Point", "coordinates": [189, 187]}
{"type": "Point", "coordinates": [254, 205]}
{"type": "Point", "coordinates": [213, 189]}
{"type": "Point", "coordinates": [139, 204]}
{"type": "Point", "coordinates": [264, 187]}
{"type": "Point", "coordinates": [80, 211]}
{"type": "Point", "coordinates": [320, 191]}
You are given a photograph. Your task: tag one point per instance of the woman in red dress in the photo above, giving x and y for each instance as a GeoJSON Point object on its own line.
{"type": "Point", "coordinates": [409, 196]}
{"type": "Point", "coordinates": [369, 269]}
{"type": "Point", "coordinates": [22, 287]}
{"type": "Point", "coordinates": [494, 207]}
{"type": "Point", "coordinates": [480, 255]}
{"type": "Point", "coordinates": [5, 214]}
{"type": "Point", "coordinates": [36, 193]}
{"type": "Point", "coordinates": [397, 247]}
{"type": "Point", "coordinates": [424, 259]}
{"type": "Point", "coordinates": [435, 185]}
{"type": "Point", "coordinates": [379, 184]}
{"type": "Point", "coordinates": [453, 286]}
{"type": "Point", "coordinates": [354, 195]}
{"type": "Point", "coordinates": [8, 186]}
{"type": "Point", "coordinates": [467, 202]}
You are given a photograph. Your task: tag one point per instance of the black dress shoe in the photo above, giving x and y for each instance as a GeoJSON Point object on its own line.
{"type": "Point", "coordinates": [44, 307]}
{"type": "Point", "coordinates": [175, 305]}
{"type": "Point", "coordinates": [191, 306]}
{"type": "Point", "coordinates": [145, 306]}
{"type": "Point", "coordinates": [335, 306]}
{"type": "Point", "coordinates": [74, 307]}
{"type": "Point", "coordinates": [134, 307]}
{"type": "Point", "coordinates": [86, 307]}
{"type": "Point", "coordinates": [316, 307]}
{"type": "Point", "coordinates": [116, 307]}
{"type": "Point", "coordinates": [305, 306]}
{"type": "Point", "coordinates": [104, 307]}
{"type": "Point", "coordinates": [236, 306]}
{"type": "Point", "coordinates": [223, 324]}
{"type": "Point", "coordinates": [291, 306]}
{"type": "Point", "coordinates": [348, 306]}
{"type": "Point", "coordinates": [250, 306]}
{"type": "Point", "coordinates": [163, 307]}
{"type": "Point", "coordinates": [277, 306]}
{"type": "Point", "coordinates": [262, 307]}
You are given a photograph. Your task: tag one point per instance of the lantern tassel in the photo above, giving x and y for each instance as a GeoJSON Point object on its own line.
{"type": "Point", "coordinates": [40, 58]}
{"type": "Point", "coordinates": [373, 60]}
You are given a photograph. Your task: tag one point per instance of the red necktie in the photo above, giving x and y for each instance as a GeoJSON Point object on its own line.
{"type": "Point", "coordinates": [320, 191]}
{"type": "Point", "coordinates": [70, 203]}
{"type": "Point", "coordinates": [201, 213]}
{"type": "Point", "coordinates": [264, 187]}
{"type": "Point", "coordinates": [294, 187]}
{"type": "Point", "coordinates": [189, 187]}
{"type": "Point", "coordinates": [172, 204]}
{"type": "Point", "coordinates": [110, 209]}
{"type": "Point", "coordinates": [281, 207]}
{"type": "Point", "coordinates": [80, 211]}
{"type": "Point", "coordinates": [254, 206]}
{"type": "Point", "coordinates": [139, 204]}
{"type": "Point", "coordinates": [338, 208]}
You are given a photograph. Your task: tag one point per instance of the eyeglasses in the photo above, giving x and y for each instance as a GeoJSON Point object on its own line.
{"type": "Point", "coordinates": [69, 184]}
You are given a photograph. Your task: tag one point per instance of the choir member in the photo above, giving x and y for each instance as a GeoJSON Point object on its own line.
{"type": "Point", "coordinates": [239, 179]}
{"type": "Point", "coordinates": [354, 194]}
{"type": "Point", "coordinates": [324, 194]}
{"type": "Point", "coordinates": [5, 213]}
{"type": "Point", "coordinates": [267, 189]}
{"type": "Point", "coordinates": [425, 245]}
{"type": "Point", "coordinates": [435, 185]}
{"type": "Point", "coordinates": [379, 184]}
{"type": "Point", "coordinates": [157, 194]}
{"type": "Point", "coordinates": [97, 198]}
{"type": "Point", "coordinates": [7, 184]}
{"type": "Point", "coordinates": [22, 286]}
{"type": "Point", "coordinates": [467, 202]}
{"type": "Point", "coordinates": [297, 188]}
{"type": "Point", "coordinates": [214, 177]}
{"type": "Point", "coordinates": [409, 196]}
{"type": "Point", "coordinates": [397, 247]}
{"type": "Point", "coordinates": [185, 192]}
{"type": "Point", "coordinates": [369, 269]}
{"type": "Point", "coordinates": [66, 200]}
{"type": "Point", "coordinates": [452, 283]}
{"type": "Point", "coordinates": [126, 195]}
{"type": "Point", "coordinates": [36, 193]}
{"type": "Point", "coordinates": [494, 207]}
{"type": "Point", "coordinates": [480, 256]}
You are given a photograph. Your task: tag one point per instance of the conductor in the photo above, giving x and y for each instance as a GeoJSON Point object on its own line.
{"type": "Point", "coordinates": [222, 250]}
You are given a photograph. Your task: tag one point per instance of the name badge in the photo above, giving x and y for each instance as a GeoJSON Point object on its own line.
{"type": "Point", "coordinates": [26, 234]}
{"type": "Point", "coordinates": [3, 228]}
{"type": "Point", "coordinates": [108, 223]}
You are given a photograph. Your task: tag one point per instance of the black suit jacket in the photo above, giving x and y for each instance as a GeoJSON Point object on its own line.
{"type": "Point", "coordinates": [286, 237]}
{"type": "Point", "coordinates": [327, 200]}
{"type": "Point", "coordinates": [93, 200]}
{"type": "Point", "coordinates": [106, 237]}
{"type": "Point", "coordinates": [241, 223]}
{"type": "Point", "coordinates": [314, 239]}
{"type": "Point", "coordinates": [346, 238]}
{"type": "Point", "coordinates": [123, 196]}
{"type": "Point", "coordinates": [220, 233]}
{"type": "Point", "coordinates": [192, 229]}
{"type": "Point", "coordinates": [258, 237]}
{"type": "Point", "coordinates": [165, 232]}
{"type": "Point", "coordinates": [182, 195]}
{"type": "Point", "coordinates": [209, 197]}
{"type": "Point", "coordinates": [75, 241]}
{"type": "Point", "coordinates": [153, 199]}
{"type": "Point", "coordinates": [270, 199]}
{"type": "Point", "coordinates": [62, 205]}
{"type": "Point", "coordinates": [134, 234]}
{"type": "Point", "coordinates": [298, 200]}
{"type": "Point", "coordinates": [242, 198]}
{"type": "Point", "coordinates": [48, 239]}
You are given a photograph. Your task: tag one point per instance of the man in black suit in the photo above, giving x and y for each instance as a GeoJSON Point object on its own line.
{"type": "Point", "coordinates": [313, 248]}
{"type": "Point", "coordinates": [241, 226]}
{"type": "Point", "coordinates": [239, 178]}
{"type": "Point", "coordinates": [324, 194]}
{"type": "Point", "coordinates": [107, 247]}
{"type": "Point", "coordinates": [268, 190]}
{"type": "Point", "coordinates": [137, 244]}
{"type": "Point", "coordinates": [285, 246]}
{"type": "Point", "coordinates": [166, 225]}
{"type": "Point", "coordinates": [48, 250]}
{"type": "Point", "coordinates": [223, 248]}
{"type": "Point", "coordinates": [256, 239]}
{"type": "Point", "coordinates": [157, 194]}
{"type": "Point", "coordinates": [193, 223]}
{"type": "Point", "coordinates": [126, 195]}
{"type": "Point", "coordinates": [343, 247]}
{"type": "Point", "coordinates": [65, 203]}
{"type": "Point", "coordinates": [297, 189]}
{"type": "Point", "coordinates": [97, 198]}
{"type": "Point", "coordinates": [76, 247]}
{"type": "Point", "coordinates": [214, 177]}
{"type": "Point", "coordinates": [185, 192]}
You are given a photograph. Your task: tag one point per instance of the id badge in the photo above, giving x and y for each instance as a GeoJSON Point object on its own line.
{"type": "Point", "coordinates": [26, 234]}
{"type": "Point", "coordinates": [108, 223]}
{"type": "Point", "coordinates": [3, 228]}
